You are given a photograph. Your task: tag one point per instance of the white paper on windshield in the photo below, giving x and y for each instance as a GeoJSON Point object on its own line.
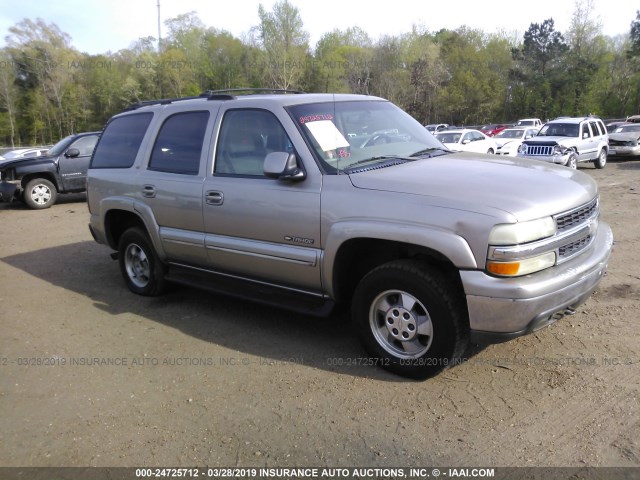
{"type": "Point", "coordinates": [327, 135]}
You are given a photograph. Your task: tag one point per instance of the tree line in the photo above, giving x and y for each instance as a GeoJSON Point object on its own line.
{"type": "Point", "coordinates": [48, 89]}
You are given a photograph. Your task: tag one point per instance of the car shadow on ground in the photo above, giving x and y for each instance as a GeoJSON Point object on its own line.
{"type": "Point", "coordinates": [627, 164]}
{"type": "Point", "coordinates": [267, 332]}
{"type": "Point", "coordinates": [69, 198]}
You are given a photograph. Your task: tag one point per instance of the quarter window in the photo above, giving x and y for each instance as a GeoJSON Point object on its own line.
{"type": "Point", "coordinates": [120, 141]}
{"type": "Point", "coordinates": [178, 146]}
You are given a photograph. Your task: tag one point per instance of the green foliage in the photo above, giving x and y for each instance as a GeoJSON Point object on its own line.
{"type": "Point", "coordinates": [464, 76]}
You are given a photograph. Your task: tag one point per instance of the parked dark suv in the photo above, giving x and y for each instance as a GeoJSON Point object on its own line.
{"type": "Point", "coordinates": [38, 180]}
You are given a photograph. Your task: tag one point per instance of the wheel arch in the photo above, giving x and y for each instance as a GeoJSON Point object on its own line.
{"type": "Point", "coordinates": [44, 175]}
{"type": "Point", "coordinates": [120, 214]}
{"type": "Point", "coordinates": [356, 257]}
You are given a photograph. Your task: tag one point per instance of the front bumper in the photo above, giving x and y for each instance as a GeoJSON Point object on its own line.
{"type": "Point", "coordinates": [624, 152]}
{"type": "Point", "coordinates": [7, 191]}
{"type": "Point", "coordinates": [557, 159]}
{"type": "Point", "coordinates": [504, 308]}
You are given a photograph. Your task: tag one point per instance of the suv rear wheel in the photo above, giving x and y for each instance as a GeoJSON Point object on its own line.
{"type": "Point", "coordinates": [601, 161]}
{"type": "Point", "coordinates": [408, 320]}
{"type": "Point", "coordinates": [142, 270]}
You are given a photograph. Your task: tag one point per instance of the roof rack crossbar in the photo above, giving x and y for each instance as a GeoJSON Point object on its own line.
{"type": "Point", "coordinates": [226, 94]}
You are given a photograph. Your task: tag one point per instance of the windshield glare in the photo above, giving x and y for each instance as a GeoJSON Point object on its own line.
{"type": "Point", "coordinates": [59, 147]}
{"type": "Point", "coordinates": [344, 133]}
{"type": "Point", "coordinates": [560, 130]}
{"type": "Point", "coordinates": [628, 128]}
{"type": "Point", "coordinates": [510, 134]}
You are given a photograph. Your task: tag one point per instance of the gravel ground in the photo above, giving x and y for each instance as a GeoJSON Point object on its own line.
{"type": "Point", "coordinates": [92, 375]}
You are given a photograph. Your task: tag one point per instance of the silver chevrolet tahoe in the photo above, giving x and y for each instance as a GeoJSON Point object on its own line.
{"type": "Point", "coordinates": [308, 201]}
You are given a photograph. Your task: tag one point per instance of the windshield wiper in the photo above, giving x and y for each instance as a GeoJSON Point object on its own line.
{"type": "Point", "coordinates": [428, 152]}
{"type": "Point", "coordinates": [379, 157]}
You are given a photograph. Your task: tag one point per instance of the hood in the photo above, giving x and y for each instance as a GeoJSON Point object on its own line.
{"type": "Point", "coordinates": [526, 189]}
{"type": "Point", "coordinates": [551, 140]}
{"type": "Point", "coordinates": [456, 147]}
{"type": "Point", "coordinates": [14, 162]}
{"type": "Point", "coordinates": [624, 136]}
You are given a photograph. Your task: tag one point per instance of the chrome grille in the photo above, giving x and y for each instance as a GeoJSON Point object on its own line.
{"type": "Point", "coordinates": [574, 247]}
{"type": "Point", "coordinates": [539, 150]}
{"type": "Point", "coordinates": [622, 143]}
{"type": "Point", "coordinates": [575, 217]}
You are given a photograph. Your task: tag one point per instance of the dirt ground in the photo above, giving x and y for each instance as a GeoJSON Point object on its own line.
{"type": "Point", "coordinates": [92, 375]}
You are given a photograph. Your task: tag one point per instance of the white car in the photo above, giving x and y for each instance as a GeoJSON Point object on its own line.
{"type": "Point", "coordinates": [466, 140]}
{"type": "Point", "coordinates": [510, 139]}
{"type": "Point", "coordinates": [529, 122]}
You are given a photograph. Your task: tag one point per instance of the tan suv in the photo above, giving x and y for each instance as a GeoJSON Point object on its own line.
{"type": "Point", "coordinates": [569, 140]}
{"type": "Point", "coordinates": [306, 201]}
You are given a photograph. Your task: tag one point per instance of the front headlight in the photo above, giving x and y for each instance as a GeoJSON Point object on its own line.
{"type": "Point", "coordinates": [558, 150]}
{"type": "Point", "coordinates": [522, 149]}
{"type": "Point", "coordinates": [525, 266]}
{"type": "Point", "coordinates": [522, 232]}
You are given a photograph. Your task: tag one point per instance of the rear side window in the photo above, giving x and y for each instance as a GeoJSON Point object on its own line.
{"type": "Point", "coordinates": [179, 143]}
{"type": "Point", "coordinates": [120, 141]}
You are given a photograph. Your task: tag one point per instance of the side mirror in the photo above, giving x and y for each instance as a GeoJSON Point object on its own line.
{"type": "Point", "coordinates": [283, 166]}
{"type": "Point", "coordinates": [585, 135]}
{"type": "Point", "coordinates": [72, 153]}
{"type": "Point", "coordinates": [465, 141]}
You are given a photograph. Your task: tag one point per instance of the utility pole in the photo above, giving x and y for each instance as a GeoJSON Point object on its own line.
{"type": "Point", "coordinates": [159, 37]}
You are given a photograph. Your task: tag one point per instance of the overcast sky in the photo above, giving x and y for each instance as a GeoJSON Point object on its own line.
{"type": "Point", "coordinates": [110, 25]}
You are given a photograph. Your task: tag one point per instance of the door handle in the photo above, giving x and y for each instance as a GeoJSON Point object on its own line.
{"type": "Point", "coordinates": [213, 197]}
{"type": "Point", "coordinates": [149, 191]}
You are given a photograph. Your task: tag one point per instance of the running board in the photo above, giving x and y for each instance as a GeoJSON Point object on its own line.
{"type": "Point", "coordinates": [253, 291]}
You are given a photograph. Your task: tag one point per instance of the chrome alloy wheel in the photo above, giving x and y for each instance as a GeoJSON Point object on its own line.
{"type": "Point", "coordinates": [401, 324]}
{"type": "Point", "coordinates": [40, 194]}
{"type": "Point", "coordinates": [137, 265]}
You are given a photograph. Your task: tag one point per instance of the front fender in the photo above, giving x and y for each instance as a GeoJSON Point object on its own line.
{"type": "Point", "coordinates": [452, 246]}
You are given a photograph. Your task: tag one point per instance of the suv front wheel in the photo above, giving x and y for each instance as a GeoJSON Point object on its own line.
{"type": "Point", "coordinates": [142, 270]}
{"type": "Point", "coordinates": [408, 320]}
{"type": "Point", "coordinates": [39, 193]}
{"type": "Point", "coordinates": [601, 161]}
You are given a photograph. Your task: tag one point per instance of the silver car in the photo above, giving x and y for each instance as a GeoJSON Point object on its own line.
{"type": "Point", "coordinates": [308, 201]}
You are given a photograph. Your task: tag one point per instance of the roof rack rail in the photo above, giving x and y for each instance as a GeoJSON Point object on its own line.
{"type": "Point", "coordinates": [161, 101]}
{"type": "Point", "coordinates": [225, 93]}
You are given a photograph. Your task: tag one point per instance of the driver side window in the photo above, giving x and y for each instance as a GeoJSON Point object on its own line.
{"type": "Point", "coordinates": [85, 145]}
{"type": "Point", "coordinates": [246, 137]}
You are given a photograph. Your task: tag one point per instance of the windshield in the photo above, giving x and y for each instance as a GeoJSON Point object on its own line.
{"type": "Point", "coordinates": [345, 133]}
{"type": "Point", "coordinates": [510, 134]}
{"type": "Point", "coordinates": [525, 123]}
{"type": "Point", "coordinates": [628, 128]}
{"type": "Point", "coordinates": [60, 147]}
{"type": "Point", "coordinates": [559, 130]}
{"type": "Point", "coordinates": [449, 137]}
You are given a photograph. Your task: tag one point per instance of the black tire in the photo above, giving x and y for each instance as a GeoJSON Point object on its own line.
{"type": "Point", "coordinates": [490, 151]}
{"type": "Point", "coordinates": [142, 270]}
{"type": "Point", "coordinates": [572, 162]}
{"type": "Point", "coordinates": [601, 161]}
{"type": "Point", "coordinates": [409, 319]}
{"type": "Point", "coordinates": [39, 193]}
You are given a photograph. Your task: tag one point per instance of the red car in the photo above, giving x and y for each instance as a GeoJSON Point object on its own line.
{"type": "Point", "coordinates": [494, 128]}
